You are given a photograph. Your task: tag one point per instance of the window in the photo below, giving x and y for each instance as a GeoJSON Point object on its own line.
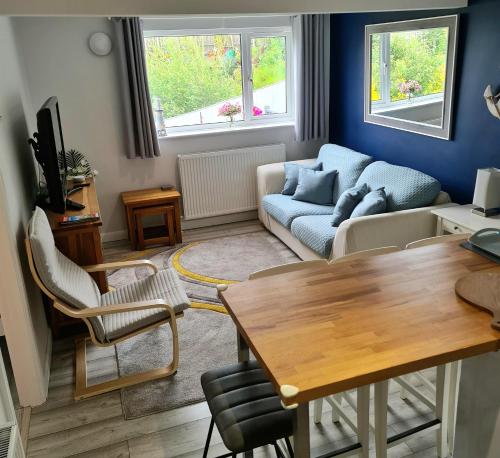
{"type": "Point", "coordinates": [219, 78]}
{"type": "Point", "coordinates": [408, 66]}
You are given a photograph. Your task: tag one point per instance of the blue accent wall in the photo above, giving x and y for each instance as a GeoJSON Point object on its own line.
{"type": "Point", "coordinates": [475, 140]}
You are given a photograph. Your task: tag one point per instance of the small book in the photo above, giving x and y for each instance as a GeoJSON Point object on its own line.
{"type": "Point", "coordinates": [78, 219]}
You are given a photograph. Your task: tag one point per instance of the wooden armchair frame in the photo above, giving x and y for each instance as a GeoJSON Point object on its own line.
{"type": "Point", "coordinates": [82, 390]}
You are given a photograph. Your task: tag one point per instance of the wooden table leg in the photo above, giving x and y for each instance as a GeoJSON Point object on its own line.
{"type": "Point", "coordinates": [455, 372]}
{"type": "Point", "coordinates": [442, 408]}
{"type": "Point", "coordinates": [178, 230]}
{"type": "Point", "coordinates": [301, 441]}
{"type": "Point", "coordinates": [243, 350]}
{"type": "Point", "coordinates": [381, 398]}
{"type": "Point", "coordinates": [131, 227]}
{"type": "Point", "coordinates": [170, 225]}
{"type": "Point", "coordinates": [363, 420]}
{"type": "Point", "coordinates": [140, 231]}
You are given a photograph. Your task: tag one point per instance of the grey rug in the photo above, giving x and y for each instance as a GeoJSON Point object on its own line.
{"type": "Point", "coordinates": [207, 338]}
{"type": "Point", "coordinates": [227, 258]}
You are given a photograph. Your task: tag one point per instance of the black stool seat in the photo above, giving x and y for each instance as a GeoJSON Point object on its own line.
{"type": "Point", "coordinates": [245, 407]}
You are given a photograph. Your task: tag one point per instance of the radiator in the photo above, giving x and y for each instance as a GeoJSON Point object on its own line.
{"type": "Point", "coordinates": [223, 182]}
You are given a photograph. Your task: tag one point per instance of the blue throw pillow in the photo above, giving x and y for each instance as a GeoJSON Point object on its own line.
{"type": "Point", "coordinates": [347, 202]}
{"type": "Point", "coordinates": [373, 203]}
{"type": "Point", "coordinates": [292, 175]}
{"type": "Point", "coordinates": [315, 186]}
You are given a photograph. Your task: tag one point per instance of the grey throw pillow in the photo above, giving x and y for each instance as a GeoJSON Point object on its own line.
{"type": "Point", "coordinates": [292, 175]}
{"type": "Point", "coordinates": [315, 186]}
{"type": "Point", "coordinates": [373, 203]}
{"type": "Point", "coordinates": [347, 202]}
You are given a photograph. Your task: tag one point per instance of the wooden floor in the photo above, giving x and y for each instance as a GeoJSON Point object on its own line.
{"type": "Point", "coordinates": [96, 428]}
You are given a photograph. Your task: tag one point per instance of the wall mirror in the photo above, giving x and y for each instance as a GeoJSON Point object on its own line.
{"type": "Point", "coordinates": [409, 74]}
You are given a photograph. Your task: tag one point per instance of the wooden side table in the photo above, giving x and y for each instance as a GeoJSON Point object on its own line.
{"type": "Point", "coordinates": [148, 198]}
{"type": "Point", "coordinates": [458, 219]}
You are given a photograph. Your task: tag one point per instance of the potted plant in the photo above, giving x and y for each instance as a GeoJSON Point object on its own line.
{"type": "Point", "coordinates": [410, 88]}
{"type": "Point", "coordinates": [230, 110]}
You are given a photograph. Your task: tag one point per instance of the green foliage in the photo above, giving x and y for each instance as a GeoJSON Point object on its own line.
{"type": "Point", "coordinates": [417, 55]}
{"type": "Point", "coordinates": [268, 61]}
{"type": "Point", "coordinates": [192, 72]}
{"type": "Point", "coordinates": [189, 73]}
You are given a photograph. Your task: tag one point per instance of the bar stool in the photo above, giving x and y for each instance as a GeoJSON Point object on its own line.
{"type": "Point", "coordinates": [246, 409]}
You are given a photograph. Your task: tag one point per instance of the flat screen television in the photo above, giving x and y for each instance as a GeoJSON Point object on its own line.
{"type": "Point", "coordinates": [49, 152]}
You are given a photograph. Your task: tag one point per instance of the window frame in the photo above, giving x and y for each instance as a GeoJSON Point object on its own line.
{"type": "Point", "coordinates": [443, 131]}
{"type": "Point", "coordinates": [246, 35]}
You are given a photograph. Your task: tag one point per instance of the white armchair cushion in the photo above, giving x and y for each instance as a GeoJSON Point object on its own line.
{"type": "Point", "coordinates": [61, 276]}
{"type": "Point", "coordinates": [162, 285]}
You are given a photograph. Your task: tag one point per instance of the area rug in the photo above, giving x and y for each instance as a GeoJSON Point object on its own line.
{"type": "Point", "coordinates": [207, 338]}
{"type": "Point", "coordinates": [203, 265]}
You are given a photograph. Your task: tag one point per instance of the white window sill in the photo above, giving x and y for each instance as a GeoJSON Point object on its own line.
{"type": "Point", "coordinates": [225, 130]}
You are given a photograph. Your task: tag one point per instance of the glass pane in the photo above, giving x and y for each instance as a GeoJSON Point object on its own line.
{"type": "Point", "coordinates": [376, 88]}
{"type": "Point", "coordinates": [418, 63]}
{"type": "Point", "coordinates": [194, 80]}
{"type": "Point", "coordinates": [269, 75]}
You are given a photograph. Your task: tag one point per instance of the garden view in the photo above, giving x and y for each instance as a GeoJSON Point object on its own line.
{"type": "Point", "coordinates": [417, 63]}
{"type": "Point", "coordinates": [192, 76]}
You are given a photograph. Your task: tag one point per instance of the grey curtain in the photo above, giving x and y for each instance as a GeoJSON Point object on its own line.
{"type": "Point", "coordinates": [142, 140]}
{"type": "Point", "coordinates": [312, 32]}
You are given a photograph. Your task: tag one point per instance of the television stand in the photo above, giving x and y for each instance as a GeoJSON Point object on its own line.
{"type": "Point", "coordinates": [72, 205]}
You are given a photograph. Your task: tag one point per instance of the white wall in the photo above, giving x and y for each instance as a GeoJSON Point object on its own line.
{"type": "Point", "coordinates": [160, 7]}
{"type": "Point", "coordinates": [58, 62]}
{"type": "Point", "coordinates": [21, 310]}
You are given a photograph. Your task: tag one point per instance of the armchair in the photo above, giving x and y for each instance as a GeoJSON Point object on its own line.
{"type": "Point", "coordinates": [111, 317]}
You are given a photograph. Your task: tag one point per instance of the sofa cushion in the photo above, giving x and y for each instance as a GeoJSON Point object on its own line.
{"type": "Point", "coordinates": [405, 188]}
{"type": "Point", "coordinates": [347, 202]}
{"type": "Point", "coordinates": [61, 276]}
{"type": "Point", "coordinates": [292, 175]}
{"type": "Point", "coordinates": [348, 163]}
{"type": "Point", "coordinates": [315, 186]}
{"type": "Point", "coordinates": [284, 209]}
{"type": "Point", "coordinates": [373, 203]}
{"type": "Point", "coordinates": [316, 232]}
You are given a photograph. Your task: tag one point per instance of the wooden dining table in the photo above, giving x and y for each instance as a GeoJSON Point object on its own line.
{"type": "Point", "coordinates": [325, 330]}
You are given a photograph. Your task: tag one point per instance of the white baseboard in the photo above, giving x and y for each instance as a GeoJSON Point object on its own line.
{"type": "Point", "coordinates": [114, 236]}
{"type": "Point", "coordinates": [217, 220]}
{"type": "Point", "coordinates": [190, 224]}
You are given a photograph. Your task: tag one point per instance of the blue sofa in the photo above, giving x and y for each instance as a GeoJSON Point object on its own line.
{"type": "Point", "coordinates": [306, 227]}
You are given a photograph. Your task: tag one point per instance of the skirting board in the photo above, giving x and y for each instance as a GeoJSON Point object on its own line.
{"type": "Point", "coordinates": [191, 224]}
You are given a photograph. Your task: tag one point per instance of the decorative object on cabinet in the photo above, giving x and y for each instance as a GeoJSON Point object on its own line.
{"type": "Point", "coordinates": [487, 192]}
{"type": "Point", "coordinates": [492, 101]}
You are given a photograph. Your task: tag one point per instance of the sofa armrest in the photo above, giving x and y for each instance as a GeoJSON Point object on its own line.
{"type": "Point", "coordinates": [271, 180]}
{"type": "Point", "coordinates": [387, 229]}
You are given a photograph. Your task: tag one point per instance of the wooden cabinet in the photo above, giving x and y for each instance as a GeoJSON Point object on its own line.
{"type": "Point", "coordinates": [81, 243]}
